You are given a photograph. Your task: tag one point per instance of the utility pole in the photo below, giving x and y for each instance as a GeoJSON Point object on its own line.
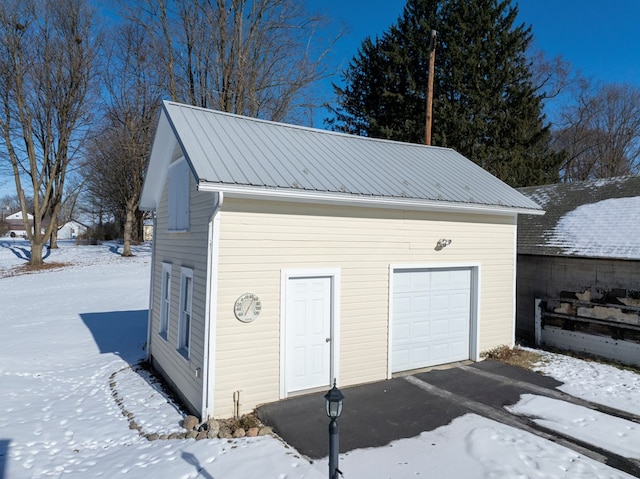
{"type": "Point", "coordinates": [432, 65]}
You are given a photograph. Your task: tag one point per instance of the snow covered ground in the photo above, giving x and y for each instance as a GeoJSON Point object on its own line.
{"type": "Point", "coordinates": [70, 336]}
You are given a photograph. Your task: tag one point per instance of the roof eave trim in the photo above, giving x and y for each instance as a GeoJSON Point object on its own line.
{"type": "Point", "coordinates": [343, 199]}
{"type": "Point", "coordinates": [160, 156]}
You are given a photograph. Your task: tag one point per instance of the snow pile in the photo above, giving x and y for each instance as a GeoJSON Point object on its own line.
{"type": "Point", "coordinates": [72, 336]}
{"type": "Point", "coordinates": [606, 229]}
{"type": "Point", "coordinates": [595, 382]}
{"type": "Point", "coordinates": [472, 447]}
{"type": "Point", "coordinates": [584, 424]}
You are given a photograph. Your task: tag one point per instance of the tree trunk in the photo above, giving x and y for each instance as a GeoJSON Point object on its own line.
{"type": "Point", "coordinates": [36, 252]}
{"type": "Point", "coordinates": [36, 238]}
{"type": "Point", "coordinates": [139, 232]}
{"type": "Point", "coordinates": [53, 239]}
{"type": "Point", "coordinates": [128, 229]}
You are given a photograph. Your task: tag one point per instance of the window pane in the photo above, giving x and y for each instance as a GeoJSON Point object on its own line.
{"type": "Point", "coordinates": [187, 328]}
{"type": "Point", "coordinates": [185, 312]}
{"type": "Point", "coordinates": [165, 301]}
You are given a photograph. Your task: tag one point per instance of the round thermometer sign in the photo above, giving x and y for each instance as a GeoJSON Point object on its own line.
{"type": "Point", "coordinates": [247, 307]}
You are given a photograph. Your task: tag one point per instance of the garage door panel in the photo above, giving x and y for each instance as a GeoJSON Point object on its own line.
{"type": "Point", "coordinates": [419, 282]}
{"type": "Point", "coordinates": [401, 358]}
{"type": "Point", "coordinates": [413, 282]}
{"type": "Point", "coordinates": [420, 330]}
{"type": "Point", "coordinates": [459, 348]}
{"type": "Point", "coordinates": [403, 281]}
{"type": "Point", "coordinates": [402, 331]}
{"type": "Point", "coordinates": [431, 317]}
{"type": "Point", "coordinates": [439, 327]}
{"type": "Point", "coordinates": [459, 326]}
{"type": "Point", "coordinates": [460, 276]}
{"type": "Point", "coordinates": [419, 302]}
{"type": "Point", "coordinates": [420, 354]}
{"type": "Point", "coordinates": [402, 304]}
{"type": "Point", "coordinates": [440, 302]}
{"type": "Point", "coordinates": [459, 297]}
{"type": "Point", "coordinates": [440, 353]}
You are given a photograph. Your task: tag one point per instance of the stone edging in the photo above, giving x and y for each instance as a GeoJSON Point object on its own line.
{"type": "Point", "coordinates": [194, 429]}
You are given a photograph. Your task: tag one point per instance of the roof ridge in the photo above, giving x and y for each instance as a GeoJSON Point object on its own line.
{"type": "Point", "coordinates": [301, 127]}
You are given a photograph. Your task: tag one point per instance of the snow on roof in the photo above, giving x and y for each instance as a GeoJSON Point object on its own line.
{"type": "Point", "coordinates": [608, 229]}
{"type": "Point", "coordinates": [18, 216]}
{"type": "Point", "coordinates": [599, 218]}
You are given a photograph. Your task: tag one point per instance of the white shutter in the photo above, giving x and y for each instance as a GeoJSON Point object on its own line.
{"type": "Point", "coordinates": [179, 196]}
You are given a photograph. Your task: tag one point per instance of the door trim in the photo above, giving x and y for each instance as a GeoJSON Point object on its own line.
{"type": "Point", "coordinates": [474, 312]}
{"type": "Point", "coordinates": [334, 275]}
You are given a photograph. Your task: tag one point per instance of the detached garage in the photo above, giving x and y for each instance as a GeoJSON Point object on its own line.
{"type": "Point", "coordinates": [285, 257]}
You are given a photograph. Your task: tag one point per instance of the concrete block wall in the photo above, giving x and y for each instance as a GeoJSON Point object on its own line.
{"type": "Point", "coordinates": [550, 276]}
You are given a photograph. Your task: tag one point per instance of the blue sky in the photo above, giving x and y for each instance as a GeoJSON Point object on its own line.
{"type": "Point", "coordinates": [600, 38]}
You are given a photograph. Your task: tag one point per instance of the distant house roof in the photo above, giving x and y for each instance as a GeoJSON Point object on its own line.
{"type": "Point", "coordinates": [599, 218]}
{"type": "Point", "coordinates": [75, 223]}
{"type": "Point", "coordinates": [15, 222]}
{"type": "Point", "coordinates": [18, 216]}
{"type": "Point", "coordinates": [244, 156]}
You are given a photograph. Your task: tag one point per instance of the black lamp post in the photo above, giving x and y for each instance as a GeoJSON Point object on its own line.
{"type": "Point", "coordinates": [333, 404]}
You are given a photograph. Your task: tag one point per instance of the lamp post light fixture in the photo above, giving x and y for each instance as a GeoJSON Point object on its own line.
{"type": "Point", "coordinates": [333, 405]}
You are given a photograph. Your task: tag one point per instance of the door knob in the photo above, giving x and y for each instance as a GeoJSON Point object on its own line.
{"type": "Point", "coordinates": [328, 340]}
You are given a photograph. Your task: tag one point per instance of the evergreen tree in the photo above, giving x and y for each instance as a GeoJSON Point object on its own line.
{"type": "Point", "coordinates": [485, 105]}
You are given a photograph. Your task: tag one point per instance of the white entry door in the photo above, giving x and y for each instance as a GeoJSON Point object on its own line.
{"type": "Point", "coordinates": [308, 333]}
{"type": "Point", "coordinates": [431, 317]}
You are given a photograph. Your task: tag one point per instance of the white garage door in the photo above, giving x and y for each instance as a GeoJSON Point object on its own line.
{"type": "Point", "coordinates": [431, 317]}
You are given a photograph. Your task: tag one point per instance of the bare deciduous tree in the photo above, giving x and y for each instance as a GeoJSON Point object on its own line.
{"type": "Point", "coordinates": [119, 154]}
{"type": "Point", "coordinates": [601, 133]}
{"type": "Point", "coordinates": [46, 53]}
{"type": "Point", "coordinates": [550, 77]}
{"type": "Point", "coordinates": [68, 209]}
{"type": "Point", "coordinates": [251, 57]}
{"type": "Point", "coordinates": [11, 203]}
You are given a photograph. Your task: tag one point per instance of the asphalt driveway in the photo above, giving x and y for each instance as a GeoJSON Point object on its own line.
{"type": "Point", "coordinates": [378, 413]}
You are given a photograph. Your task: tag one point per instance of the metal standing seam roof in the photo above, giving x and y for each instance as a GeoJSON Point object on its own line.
{"type": "Point", "coordinates": [226, 149]}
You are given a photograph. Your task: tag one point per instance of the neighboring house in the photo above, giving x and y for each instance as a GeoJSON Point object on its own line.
{"type": "Point", "coordinates": [286, 256]}
{"type": "Point", "coordinates": [16, 225]}
{"type": "Point", "coordinates": [585, 251]}
{"type": "Point", "coordinates": [71, 230]}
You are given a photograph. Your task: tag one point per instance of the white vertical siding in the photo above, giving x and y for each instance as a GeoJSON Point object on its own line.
{"type": "Point", "coordinates": [259, 239]}
{"type": "Point", "coordinates": [182, 249]}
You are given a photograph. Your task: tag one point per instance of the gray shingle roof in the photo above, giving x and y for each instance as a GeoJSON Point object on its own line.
{"type": "Point", "coordinates": [230, 150]}
{"type": "Point", "coordinates": [581, 220]}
